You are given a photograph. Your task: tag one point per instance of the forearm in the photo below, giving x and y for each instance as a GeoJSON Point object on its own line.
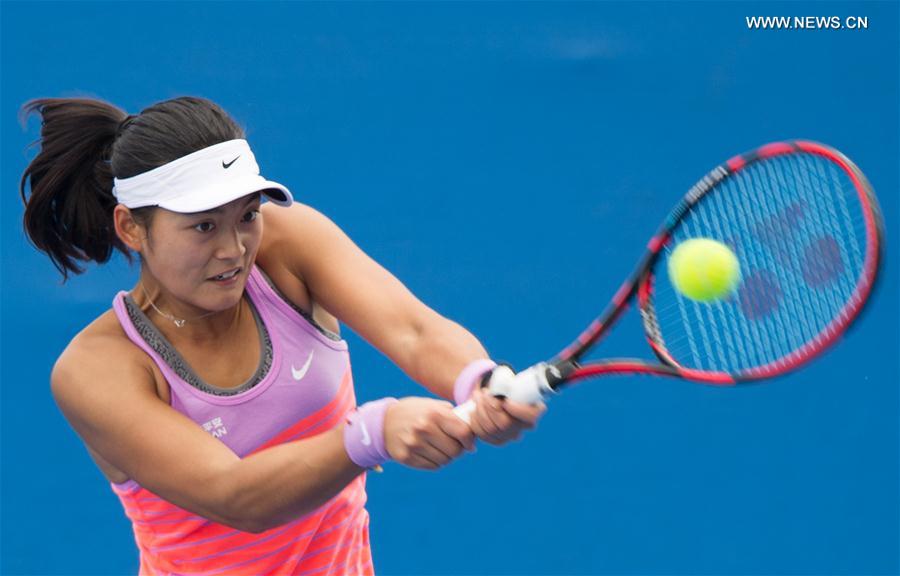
{"type": "Point", "coordinates": [439, 354]}
{"type": "Point", "coordinates": [282, 483]}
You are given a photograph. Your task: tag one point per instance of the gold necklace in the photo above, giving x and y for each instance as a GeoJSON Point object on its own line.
{"type": "Point", "coordinates": [179, 322]}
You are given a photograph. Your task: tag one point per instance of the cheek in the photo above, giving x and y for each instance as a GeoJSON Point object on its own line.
{"type": "Point", "coordinates": [176, 256]}
{"type": "Point", "coordinates": [254, 240]}
{"type": "Point", "coordinates": [253, 237]}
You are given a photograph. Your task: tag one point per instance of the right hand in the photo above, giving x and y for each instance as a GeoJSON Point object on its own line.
{"type": "Point", "coordinates": [499, 421]}
{"type": "Point", "coordinates": [425, 433]}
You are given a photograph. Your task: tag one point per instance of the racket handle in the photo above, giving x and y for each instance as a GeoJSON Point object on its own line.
{"type": "Point", "coordinates": [528, 387]}
{"type": "Point", "coordinates": [464, 411]}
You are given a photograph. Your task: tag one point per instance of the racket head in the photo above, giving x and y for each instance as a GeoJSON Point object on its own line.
{"type": "Point", "coordinates": [805, 225]}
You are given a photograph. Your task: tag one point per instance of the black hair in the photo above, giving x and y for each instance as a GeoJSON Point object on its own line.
{"type": "Point", "coordinates": [84, 144]}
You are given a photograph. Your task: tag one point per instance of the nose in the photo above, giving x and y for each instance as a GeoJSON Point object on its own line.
{"type": "Point", "coordinates": [232, 245]}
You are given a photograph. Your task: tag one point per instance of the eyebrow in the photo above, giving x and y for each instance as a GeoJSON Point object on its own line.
{"type": "Point", "coordinates": [220, 209]}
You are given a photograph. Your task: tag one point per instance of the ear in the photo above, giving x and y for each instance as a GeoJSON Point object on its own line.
{"type": "Point", "coordinates": [129, 231]}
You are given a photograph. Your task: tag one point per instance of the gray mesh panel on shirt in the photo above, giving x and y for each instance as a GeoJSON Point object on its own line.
{"type": "Point", "coordinates": [161, 345]}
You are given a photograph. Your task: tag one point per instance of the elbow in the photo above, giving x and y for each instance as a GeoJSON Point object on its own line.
{"type": "Point", "coordinates": [244, 522]}
{"type": "Point", "coordinates": [254, 524]}
{"type": "Point", "coordinates": [254, 528]}
{"type": "Point", "coordinates": [234, 514]}
{"type": "Point", "coordinates": [254, 511]}
{"type": "Point", "coordinates": [256, 521]}
{"type": "Point", "coordinates": [241, 524]}
{"type": "Point", "coordinates": [236, 509]}
{"type": "Point", "coordinates": [246, 516]}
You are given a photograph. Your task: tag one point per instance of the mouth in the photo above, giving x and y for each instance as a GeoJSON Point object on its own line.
{"type": "Point", "coordinates": [226, 276]}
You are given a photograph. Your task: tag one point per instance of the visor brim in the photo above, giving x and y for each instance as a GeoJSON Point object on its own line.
{"type": "Point", "coordinates": [213, 197]}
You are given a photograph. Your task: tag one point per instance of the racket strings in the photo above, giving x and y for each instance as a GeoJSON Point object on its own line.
{"type": "Point", "coordinates": [715, 219]}
{"type": "Point", "coordinates": [798, 229]}
{"type": "Point", "coordinates": [842, 225]}
{"type": "Point", "coordinates": [833, 222]}
{"type": "Point", "coordinates": [795, 301]}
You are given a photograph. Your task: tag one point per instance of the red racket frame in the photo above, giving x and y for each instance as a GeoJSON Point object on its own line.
{"type": "Point", "coordinates": [566, 368]}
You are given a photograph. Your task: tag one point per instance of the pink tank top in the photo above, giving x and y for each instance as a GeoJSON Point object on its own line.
{"type": "Point", "coordinates": [302, 387]}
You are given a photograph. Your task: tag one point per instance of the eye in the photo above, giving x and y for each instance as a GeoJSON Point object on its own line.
{"type": "Point", "coordinates": [250, 216]}
{"type": "Point", "coordinates": [204, 227]}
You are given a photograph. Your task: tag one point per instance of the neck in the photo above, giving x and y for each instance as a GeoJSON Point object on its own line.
{"type": "Point", "coordinates": [182, 321]}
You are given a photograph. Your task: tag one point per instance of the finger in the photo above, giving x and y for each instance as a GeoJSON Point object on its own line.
{"type": "Point", "coordinates": [475, 425]}
{"type": "Point", "coordinates": [518, 416]}
{"type": "Point", "coordinates": [459, 431]}
{"type": "Point", "coordinates": [408, 455]}
{"type": "Point", "coordinates": [416, 461]}
{"type": "Point", "coordinates": [447, 445]}
{"type": "Point", "coordinates": [491, 433]}
{"type": "Point", "coordinates": [509, 426]}
{"type": "Point", "coordinates": [446, 432]}
{"type": "Point", "coordinates": [527, 414]}
{"type": "Point", "coordinates": [482, 413]}
{"type": "Point", "coordinates": [432, 453]}
{"type": "Point", "coordinates": [499, 426]}
{"type": "Point", "coordinates": [499, 416]}
{"type": "Point", "coordinates": [427, 439]}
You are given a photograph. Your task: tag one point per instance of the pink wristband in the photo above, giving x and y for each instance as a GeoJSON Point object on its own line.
{"type": "Point", "coordinates": [364, 434]}
{"type": "Point", "coordinates": [469, 377]}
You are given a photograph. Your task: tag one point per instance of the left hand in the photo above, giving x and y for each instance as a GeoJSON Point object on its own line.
{"type": "Point", "coordinates": [498, 421]}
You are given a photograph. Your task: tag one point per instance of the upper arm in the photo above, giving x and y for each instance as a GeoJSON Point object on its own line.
{"type": "Point", "coordinates": [346, 281]}
{"type": "Point", "coordinates": [108, 396]}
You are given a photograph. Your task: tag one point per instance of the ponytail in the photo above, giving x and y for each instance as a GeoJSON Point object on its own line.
{"type": "Point", "coordinates": [85, 143]}
{"type": "Point", "coordinates": [69, 212]}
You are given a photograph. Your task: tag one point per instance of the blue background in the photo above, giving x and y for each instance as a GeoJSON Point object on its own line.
{"type": "Point", "coordinates": [508, 163]}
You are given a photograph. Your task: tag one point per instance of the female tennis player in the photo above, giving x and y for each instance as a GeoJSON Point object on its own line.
{"type": "Point", "coordinates": [216, 394]}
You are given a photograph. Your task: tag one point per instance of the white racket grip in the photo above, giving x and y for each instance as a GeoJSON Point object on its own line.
{"type": "Point", "coordinates": [528, 387]}
{"type": "Point", "coordinates": [464, 411]}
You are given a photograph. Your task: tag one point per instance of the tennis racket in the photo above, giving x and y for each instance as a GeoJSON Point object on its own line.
{"type": "Point", "coordinates": [805, 226]}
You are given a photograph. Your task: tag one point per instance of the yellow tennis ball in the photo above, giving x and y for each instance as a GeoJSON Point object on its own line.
{"type": "Point", "coordinates": [703, 269]}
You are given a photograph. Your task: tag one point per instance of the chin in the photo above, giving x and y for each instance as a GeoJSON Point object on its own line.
{"type": "Point", "coordinates": [221, 298]}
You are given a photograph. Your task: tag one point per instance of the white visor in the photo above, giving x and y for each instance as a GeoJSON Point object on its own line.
{"type": "Point", "coordinates": [203, 180]}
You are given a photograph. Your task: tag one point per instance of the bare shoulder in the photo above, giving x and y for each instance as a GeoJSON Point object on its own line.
{"type": "Point", "coordinates": [347, 282]}
{"type": "Point", "coordinates": [290, 213]}
{"type": "Point", "coordinates": [304, 242]}
{"type": "Point", "coordinates": [103, 339]}
{"type": "Point", "coordinates": [100, 372]}
{"type": "Point", "coordinates": [101, 352]}
{"type": "Point", "coordinates": [105, 387]}
{"type": "Point", "coordinates": [294, 234]}
{"type": "Point", "coordinates": [294, 242]}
